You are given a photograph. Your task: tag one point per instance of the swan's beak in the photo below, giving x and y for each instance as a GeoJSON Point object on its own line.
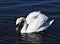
{"type": "Point", "coordinates": [17, 27]}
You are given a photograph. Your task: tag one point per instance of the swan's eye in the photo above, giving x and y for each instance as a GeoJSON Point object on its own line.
{"type": "Point", "coordinates": [17, 25]}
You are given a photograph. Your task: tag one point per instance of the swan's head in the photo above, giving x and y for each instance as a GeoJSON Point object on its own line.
{"type": "Point", "coordinates": [32, 16]}
{"type": "Point", "coordinates": [18, 22]}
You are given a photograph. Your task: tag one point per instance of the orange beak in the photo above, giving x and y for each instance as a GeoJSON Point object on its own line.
{"type": "Point", "coordinates": [17, 28]}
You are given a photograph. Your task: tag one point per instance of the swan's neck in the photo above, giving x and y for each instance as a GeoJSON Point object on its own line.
{"type": "Point", "coordinates": [23, 30]}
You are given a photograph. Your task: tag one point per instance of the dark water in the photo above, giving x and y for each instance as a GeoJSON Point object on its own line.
{"type": "Point", "coordinates": [10, 10]}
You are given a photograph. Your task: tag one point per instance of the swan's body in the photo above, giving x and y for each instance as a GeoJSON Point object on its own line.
{"type": "Point", "coordinates": [36, 22]}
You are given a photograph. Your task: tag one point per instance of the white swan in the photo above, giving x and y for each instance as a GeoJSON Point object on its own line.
{"type": "Point", "coordinates": [36, 22]}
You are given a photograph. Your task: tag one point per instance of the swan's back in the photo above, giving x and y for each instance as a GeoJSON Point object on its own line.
{"type": "Point", "coordinates": [35, 23]}
{"type": "Point", "coordinates": [33, 15]}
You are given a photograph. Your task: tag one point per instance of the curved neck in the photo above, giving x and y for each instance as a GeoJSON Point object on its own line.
{"type": "Point", "coordinates": [24, 28]}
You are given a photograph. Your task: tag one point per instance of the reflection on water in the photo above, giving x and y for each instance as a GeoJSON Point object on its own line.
{"type": "Point", "coordinates": [8, 34]}
{"type": "Point", "coordinates": [32, 38]}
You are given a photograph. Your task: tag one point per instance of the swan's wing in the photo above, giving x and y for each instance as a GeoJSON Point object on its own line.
{"type": "Point", "coordinates": [37, 23]}
{"type": "Point", "coordinates": [32, 16]}
{"type": "Point", "coordinates": [45, 26]}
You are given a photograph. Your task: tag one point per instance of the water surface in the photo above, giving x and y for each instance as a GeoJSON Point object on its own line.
{"type": "Point", "coordinates": [10, 10]}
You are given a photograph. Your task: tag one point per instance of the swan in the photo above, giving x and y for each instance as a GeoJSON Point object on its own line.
{"type": "Point", "coordinates": [36, 22]}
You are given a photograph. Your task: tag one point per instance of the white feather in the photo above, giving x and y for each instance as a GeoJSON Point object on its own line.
{"type": "Point", "coordinates": [36, 22]}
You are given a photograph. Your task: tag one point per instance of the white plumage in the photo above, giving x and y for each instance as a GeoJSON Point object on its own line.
{"type": "Point", "coordinates": [36, 22]}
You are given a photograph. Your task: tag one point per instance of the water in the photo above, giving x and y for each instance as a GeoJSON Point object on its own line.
{"type": "Point", "coordinates": [10, 10]}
